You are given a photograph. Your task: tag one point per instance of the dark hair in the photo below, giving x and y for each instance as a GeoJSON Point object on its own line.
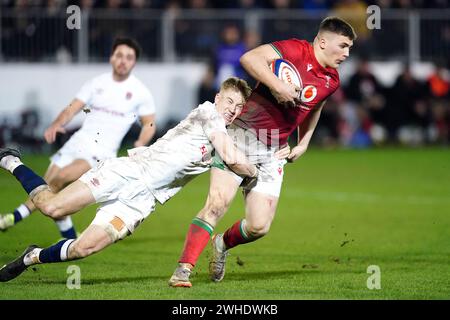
{"type": "Point", "coordinates": [128, 42]}
{"type": "Point", "coordinates": [338, 26]}
{"type": "Point", "coordinates": [238, 85]}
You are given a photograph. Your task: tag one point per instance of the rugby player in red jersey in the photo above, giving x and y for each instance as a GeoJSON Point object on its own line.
{"type": "Point", "coordinates": [274, 110]}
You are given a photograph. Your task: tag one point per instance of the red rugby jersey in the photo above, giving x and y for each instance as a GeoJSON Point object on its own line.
{"type": "Point", "coordinates": [273, 122]}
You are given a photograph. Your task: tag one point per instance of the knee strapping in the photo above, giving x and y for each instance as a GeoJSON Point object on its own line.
{"type": "Point", "coordinates": [115, 228]}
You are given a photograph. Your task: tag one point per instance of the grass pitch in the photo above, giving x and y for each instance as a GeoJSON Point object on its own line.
{"type": "Point", "coordinates": [339, 213]}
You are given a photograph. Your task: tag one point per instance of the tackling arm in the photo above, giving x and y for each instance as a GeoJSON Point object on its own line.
{"type": "Point", "coordinates": [235, 159]}
{"type": "Point", "coordinates": [147, 131]}
{"type": "Point", "coordinates": [305, 132]}
{"type": "Point", "coordinates": [63, 118]}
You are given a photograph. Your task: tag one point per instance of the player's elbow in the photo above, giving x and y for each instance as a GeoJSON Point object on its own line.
{"type": "Point", "coordinates": [151, 134]}
{"type": "Point", "coordinates": [150, 126]}
{"type": "Point", "coordinates": [245, 59]}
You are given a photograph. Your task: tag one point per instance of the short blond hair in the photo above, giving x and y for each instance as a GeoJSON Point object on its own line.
{"type": "Point", "coordinates": [237, 84]}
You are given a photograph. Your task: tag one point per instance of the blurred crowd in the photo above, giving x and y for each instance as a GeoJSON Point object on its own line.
{"type": "Point", "coordinates": [228, 4]}
{"type": "Point", "coordinates": [360, 114]}
{"type": "Point", "coordinates": [31, 36]}
{"type": "Point", "coordinates": [411, 112]}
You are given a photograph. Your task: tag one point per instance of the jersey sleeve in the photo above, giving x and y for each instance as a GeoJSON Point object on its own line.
{"type": "Point", "coordinates": [288, 49]}
{"type": "Point", "coordinates": [212, 122]}
{"type": "Point", "coordinates": [147, 105]}
{"type": "Point", "coordinates": [86, 92]}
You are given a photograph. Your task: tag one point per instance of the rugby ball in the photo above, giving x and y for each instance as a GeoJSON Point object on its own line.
{"type": "Point", "coordinates": [286, 71]}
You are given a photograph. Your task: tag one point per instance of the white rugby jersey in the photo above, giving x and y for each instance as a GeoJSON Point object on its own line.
{"type": "Point", "coordinates": [112, 107]}
{"type": "Point", "coordinates": [181, 154]}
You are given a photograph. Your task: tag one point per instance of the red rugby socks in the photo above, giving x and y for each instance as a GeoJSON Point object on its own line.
{"type": "Point", "coordinates": [237, 235]}
{"type": "Point", "coordinates": [196, 240]}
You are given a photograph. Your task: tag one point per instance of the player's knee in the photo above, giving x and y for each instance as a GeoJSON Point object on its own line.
{"type": "Point", "coordinates": [52, 210]}
{"type": "Point", "coordinates": [257, 230]}
{"type": "Point", "coordinates": [48, 208]}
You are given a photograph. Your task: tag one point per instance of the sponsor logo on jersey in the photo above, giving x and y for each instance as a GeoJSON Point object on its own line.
{"type": "Point", "coordinates": [129, 95]}
{"type": "Point", "coordinates": [308, 93]}
{"type": "Point", "coordinates": [106, 110]}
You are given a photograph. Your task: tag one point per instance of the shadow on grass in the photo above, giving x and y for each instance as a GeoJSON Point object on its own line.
{"type": "Point", "coordinates": [7, 259]}
{"type": "Point", "coordinates": [267, 275]}
{"type": "Point", "coordinates": [112, 280]}
{"type": "Point", "coordinates": [154, 239]}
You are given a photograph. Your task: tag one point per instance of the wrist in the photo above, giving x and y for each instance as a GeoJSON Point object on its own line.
{"type": "Point", "coordinates": [276, 85]}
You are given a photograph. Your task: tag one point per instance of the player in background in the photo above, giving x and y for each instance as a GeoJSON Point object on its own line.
{"type": "Point", "coordinates": [274, 110]}
{"type": "Point", "coordinates": [113, 102]}
{"type": "Point", "coordinates": [129, 187]}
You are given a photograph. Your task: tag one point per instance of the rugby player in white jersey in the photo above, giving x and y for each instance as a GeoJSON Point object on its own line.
{"type": "Point", "coordinates": [113, 102]}
{"type": "Point", "coordinates": [129, 187]}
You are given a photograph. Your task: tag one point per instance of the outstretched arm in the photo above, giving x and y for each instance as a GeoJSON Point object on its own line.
{"type": "Point", "coordinates": [147, 131]}
{"type": "Point", "coordinates": [256, 62]}
{"type": "Point", "coordinates": [234, 158]}
{"type": "Point", "coordinates": [63, 118]}
{"type": "Point", "coordinates": [305, 132]}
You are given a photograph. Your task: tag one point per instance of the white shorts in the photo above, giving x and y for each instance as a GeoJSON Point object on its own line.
{"type": "Point", "coordinates": [271, 170]}
{"type": "Point", "coordinates": [118, 185]}
{"type": "Point", "coordinates": [79, 147]}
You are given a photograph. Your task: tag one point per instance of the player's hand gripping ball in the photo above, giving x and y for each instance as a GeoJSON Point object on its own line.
{"type": "Point", "coordinates": [287, 72]}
